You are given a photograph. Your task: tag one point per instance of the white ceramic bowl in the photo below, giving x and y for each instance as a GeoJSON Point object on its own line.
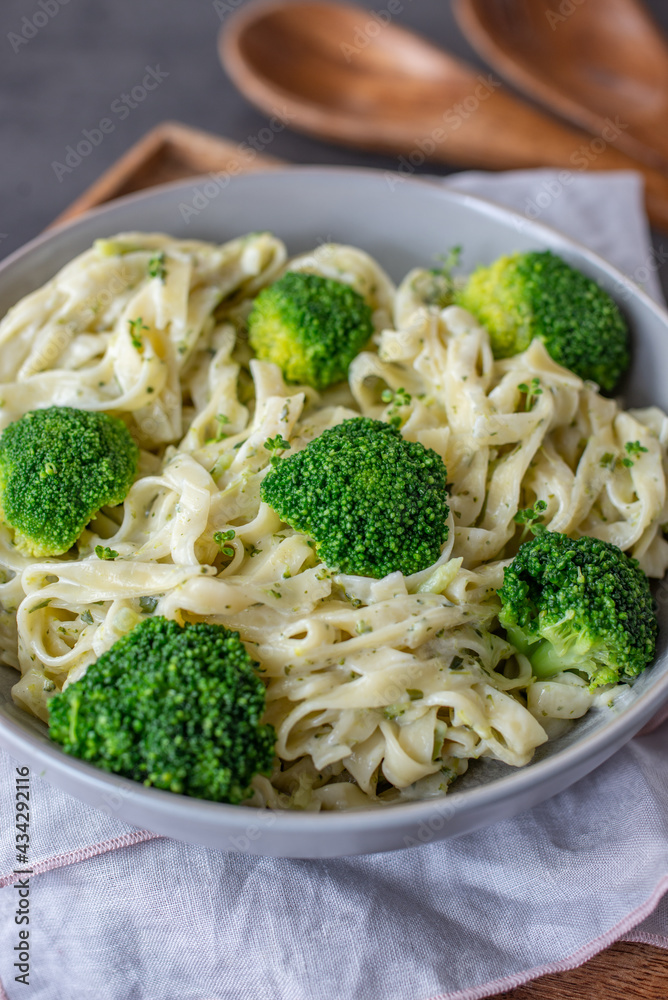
{"type": "Point", "coordinates": [403, 227]}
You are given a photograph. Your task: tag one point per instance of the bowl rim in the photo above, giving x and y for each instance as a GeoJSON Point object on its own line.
{"type": "Point", "coordinates": [596, 746]}
{"type": "Point", "coordinates": [436, 184]}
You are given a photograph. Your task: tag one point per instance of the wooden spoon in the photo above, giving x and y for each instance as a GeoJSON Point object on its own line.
{"type": "Point", "coordinates": [338, 72]}
{"type": "Point", "coordinates": [604, 59]}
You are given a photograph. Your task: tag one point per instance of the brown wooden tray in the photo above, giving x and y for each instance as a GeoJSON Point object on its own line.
{"type": "Point", "coordinates": [172, 151]}
{"type": "Point", "coordinates": [169, 152]}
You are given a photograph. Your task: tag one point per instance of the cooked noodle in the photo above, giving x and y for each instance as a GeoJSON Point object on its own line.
{"type": "Point", "coordinates": [379, 690]}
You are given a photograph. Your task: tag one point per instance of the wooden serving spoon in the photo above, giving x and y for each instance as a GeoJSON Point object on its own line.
{"type": "Point", "coordinates": [595, 60]}
{"type": "Point", "coordinates": [348, 75]}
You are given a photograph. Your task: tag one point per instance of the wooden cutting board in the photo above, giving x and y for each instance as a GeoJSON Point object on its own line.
{"type": "Point", "coordinates": [173, 151]}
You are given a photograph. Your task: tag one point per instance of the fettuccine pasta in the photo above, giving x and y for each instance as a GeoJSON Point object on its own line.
{"type": "Point", "coordinates": [379, 690]}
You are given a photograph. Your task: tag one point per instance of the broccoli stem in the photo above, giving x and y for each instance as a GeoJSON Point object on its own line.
{"type": "Point", "coordinates": [546, 662]}
{"type": "Point", "coordinates": [517, 638]}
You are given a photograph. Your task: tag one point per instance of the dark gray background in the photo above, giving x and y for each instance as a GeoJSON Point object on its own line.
{"type": "Point", "coordinates": [65, 79]}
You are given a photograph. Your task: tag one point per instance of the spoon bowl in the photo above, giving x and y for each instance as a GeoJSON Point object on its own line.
{"type": "Point", "coordinates": [319, 59]}
{"type": "Point", "coordinates": [606, 59]}
{"type": "Point", "coordinates": [343, 74]}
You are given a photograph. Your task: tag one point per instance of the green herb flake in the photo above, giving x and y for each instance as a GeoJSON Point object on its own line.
{"type": "Point", "coordinates": [634, 449]}
{"type": "Point", "coordinates": [38, 607]}
{"type": "Point", "coordinates": [136, 326]}
{"type": "Point", "coordinates": [276, 445]}
{"type": "Point", "coordinates": [398, 399]}
{"type": "Point", "coordinates": [104, 552]}
{"type": "Point", "coordinates": [223, 421]}
{"type": "Point", "coordinates": [221, 538]}
{"type": "Point", "coordinates": [531, 518]}
{"type": "Point", "coordinates": [156, 267]}
{"type": "Point", "coordinates": [531, 391]}
{"type": "Point", "coordinates": [148, 604]}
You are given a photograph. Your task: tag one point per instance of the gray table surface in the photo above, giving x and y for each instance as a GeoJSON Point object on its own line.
{"type": "Point", "coordinates": [84, 56]}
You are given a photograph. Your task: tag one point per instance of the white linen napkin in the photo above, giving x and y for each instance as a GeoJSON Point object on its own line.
{"type": "Point", "coordinates": [118, 914]}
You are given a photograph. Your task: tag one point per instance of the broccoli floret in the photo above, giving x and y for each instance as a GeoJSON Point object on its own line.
{"type": "Point", "coordinates": [58, 466]}
{"type": "Point", "coordinates": [579, 604]}
{"type": "Point", "coordinates": [170, 706]}
{"type": "Point", "coordinates": [311, 327]}
{"type": "Point", "coordinates": [538, 294]}
{"type": "Point", "coordinates": [374, 502]}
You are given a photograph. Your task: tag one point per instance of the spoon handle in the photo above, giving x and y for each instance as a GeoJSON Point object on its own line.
{"type": "Point", "coordinates": [513, 135]}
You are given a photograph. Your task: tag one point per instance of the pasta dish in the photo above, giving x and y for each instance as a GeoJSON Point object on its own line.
{"type": "Point", "coordinates": [381, 689]}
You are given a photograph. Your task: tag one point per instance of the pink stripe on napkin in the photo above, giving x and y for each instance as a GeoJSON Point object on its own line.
{"type": "Point", "coordinates": [82, 854]}
{"type": "Point", "coordinates": [623, 930]}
